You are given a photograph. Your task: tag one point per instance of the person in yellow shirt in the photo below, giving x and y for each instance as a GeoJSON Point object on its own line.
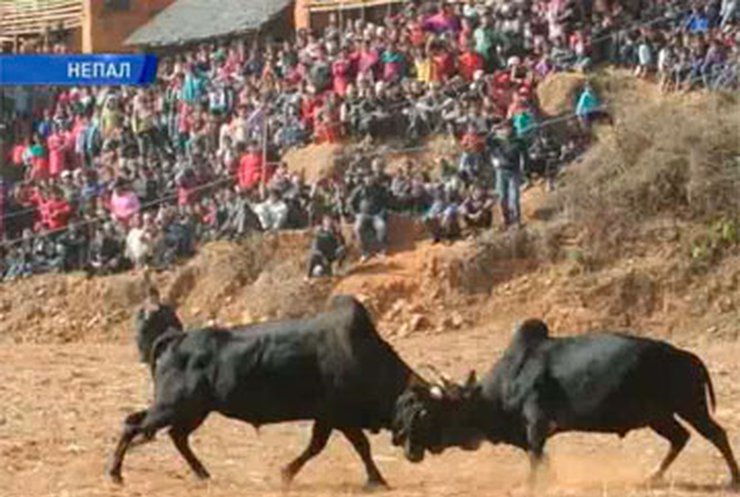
{"type": "Point", "coordinates": [422, 66]}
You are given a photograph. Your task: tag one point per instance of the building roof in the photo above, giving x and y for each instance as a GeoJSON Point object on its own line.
{"type": "Point", "coordinates": [24, 17]}
{"type": "Point", "coordinates": [194, 20]}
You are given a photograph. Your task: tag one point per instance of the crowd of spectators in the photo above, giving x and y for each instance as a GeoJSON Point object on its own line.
{"type": "Point", "coordinates": [103, 179]}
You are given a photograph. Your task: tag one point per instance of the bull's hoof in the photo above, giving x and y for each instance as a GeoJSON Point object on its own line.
{"type": "Point", "coordinates": [286, 476]}
{"type": "Point", "coordinates": [202, 475]}
{"type": "Point", "coordinates": [375, 486]}
{"type": "Point", "coordinates": [655, 480]}
{"type": "Point", "coordinates": [115, 477]}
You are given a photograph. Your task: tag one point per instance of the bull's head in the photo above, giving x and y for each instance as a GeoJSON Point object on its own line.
{"type": "Point", "coordinates": [152, 321]}
{"type": "Point", "coordinates": [435, 417]}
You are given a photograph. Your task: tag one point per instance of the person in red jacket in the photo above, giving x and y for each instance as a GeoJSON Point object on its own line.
{"type": "Point", "coordinates": [55, 211]}
{"type": "Point", "coordinates": [443, 63]}
{"type": "Point", "coordinates": [57, 145]}
{"type": "Point", "coordinates": [469, 62]}
{"type": "Point", "coordinates": [251, 168]}
{"type": "Point", "coordinates": [471, 159]}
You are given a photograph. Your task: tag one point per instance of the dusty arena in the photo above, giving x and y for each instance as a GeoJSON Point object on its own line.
{"type": "Point", "coordinates": [63, 406]}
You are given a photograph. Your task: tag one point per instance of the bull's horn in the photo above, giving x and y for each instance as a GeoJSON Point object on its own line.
{"type": "Point", "coordinates": [443, 379]}
{"type": "Point", "coordinates": [436, 392]}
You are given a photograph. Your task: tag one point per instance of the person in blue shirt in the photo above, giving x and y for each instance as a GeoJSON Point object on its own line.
{"type": "Point", "coordinates": [44, 127]}
{"type": "Point", "coordinates": [589, 107]}
{"type": "Point", "coordinates": [697, 22]}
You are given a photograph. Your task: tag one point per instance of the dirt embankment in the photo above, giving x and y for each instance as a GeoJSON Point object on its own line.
{"type": "Point", "coordinates": [642, 233]}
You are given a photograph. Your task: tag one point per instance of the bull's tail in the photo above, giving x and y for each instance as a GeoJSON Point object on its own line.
{"type": "Point", "coordinates": [707, 380]}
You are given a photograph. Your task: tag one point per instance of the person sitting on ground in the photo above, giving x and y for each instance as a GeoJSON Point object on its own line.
{"type": "Point", "coordinates": [74, 248]}
{"type": "Point", "coordinates": [327, 248]}
{"type": "Point", "coordinates": [589, 108]}
{"type": "Point", "coordinates": [473, 146]}
{"type": "Point", "coordinates": [369, 202]}
{"type": "Point", "coordinates": [107, 251]}
{"type": "Point", "coordinates": [442, 218]}
{"type": "Point", "coordinates": [477, 209]}
{"type": "Point", "coordinates": [273, 212]}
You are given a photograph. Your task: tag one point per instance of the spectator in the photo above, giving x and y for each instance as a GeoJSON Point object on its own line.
{"type": "Point", "coordinates": [473, 146]}
{"type": "Point", "coordinates": [107, 251]}
{"type": "Point", "coordinates": [508, 160]}
{"type": "Point", "coordinates": [73, 248]}
{"type": "Point", "coordinates": [477, 209]}
{"type": "Point", "coordinates": [442, 219]}
{"type": "Point", "coordinates": [55, 211]}
{"type": "Point", "coordinates": [369, 202]}
{"type": "Point", "coordinates": [273, 212]}
{"type": "Point", "coordinates": [251, 168]}
{"type": "Point", "coordinates": [588, 107]}
{"type": "Point", "coordinates": [124, 203]}
{"type": "Point", "coordinates": [138, 244]}
{"type": "Point", "coordinates": [327, 248]}
{"type": "Point", "coordinates": [57, 153]}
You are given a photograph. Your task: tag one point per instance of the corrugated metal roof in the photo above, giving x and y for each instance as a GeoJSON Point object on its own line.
{"type": "Point", "coordinates": [192, 20]}
{"type": "Point", "coordinates": [23, 17]}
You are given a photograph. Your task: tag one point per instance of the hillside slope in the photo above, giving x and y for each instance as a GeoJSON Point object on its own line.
{"type": "Point", "coordinates": [641, 233]}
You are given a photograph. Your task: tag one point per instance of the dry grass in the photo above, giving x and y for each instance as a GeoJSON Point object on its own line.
{"type": "Point", "coordinates": [670, 158]}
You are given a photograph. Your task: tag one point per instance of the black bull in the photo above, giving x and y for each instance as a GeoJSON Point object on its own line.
{"type": "Point", "coordinates": [605, 382]}
{"type": "Point", "coordinates": [333, 369]}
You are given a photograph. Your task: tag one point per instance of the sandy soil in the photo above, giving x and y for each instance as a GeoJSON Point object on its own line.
{"type": "Point", "coordinates": [63, 405]}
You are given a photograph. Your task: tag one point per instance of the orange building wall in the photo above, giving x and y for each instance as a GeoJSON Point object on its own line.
{"type": "Point", "coordinates": [104, 31]}
{"type": "Point", "coordinates": [302, 16]}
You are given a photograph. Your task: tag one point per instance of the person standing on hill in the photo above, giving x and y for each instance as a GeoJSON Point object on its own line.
{"type": "Point", "coordinates": [508, 157]}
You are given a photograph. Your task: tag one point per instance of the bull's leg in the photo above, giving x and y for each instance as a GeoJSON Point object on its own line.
{"type": "Point", "coordinates": [151, 422]}
{"type": "Point", "coordinates": [179, 435]}
{"type": "Point", "coordinates": [319, 438]}
{"type": "Point", "coordinates": [709, 429]}
{"type": "Point", "coordinates": [670, 429]}
{"type": "Point", "coordinates": [143, 438]}
{"type": "Point", "coordinates": [134, 420]}
{"type": "Point", "coordinates": [538, 428]}
{"type": "Point", "coordinates": [536, 438]}
{"type": "Point", "coordinates": [362, 446]}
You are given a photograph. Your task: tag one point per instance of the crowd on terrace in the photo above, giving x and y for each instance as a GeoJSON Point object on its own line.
{"type": "Point", "coordinates": [105, 179]}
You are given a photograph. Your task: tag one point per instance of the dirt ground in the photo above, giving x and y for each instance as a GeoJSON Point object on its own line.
{"type": "Point", "coordinates": [63, 406]}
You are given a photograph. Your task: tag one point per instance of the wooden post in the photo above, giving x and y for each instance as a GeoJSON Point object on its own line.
{"type": "Point", "coordinates": [263, 179]}
{"type": "Point", "coordinates": [341, 16]}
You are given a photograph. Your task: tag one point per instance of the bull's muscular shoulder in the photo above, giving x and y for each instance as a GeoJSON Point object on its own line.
{"type": "Point", "coordinates": [351, 315]}
{"type": "Point", "coordinates": [523, 364]}
{"type": "Point", "coordinates": [345, 302]}
{"type": "Point", "coordinates": [530, 333]}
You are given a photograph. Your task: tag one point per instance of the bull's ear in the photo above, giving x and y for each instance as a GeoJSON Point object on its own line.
{"type": "Point", "coordinates": [415, 382]}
